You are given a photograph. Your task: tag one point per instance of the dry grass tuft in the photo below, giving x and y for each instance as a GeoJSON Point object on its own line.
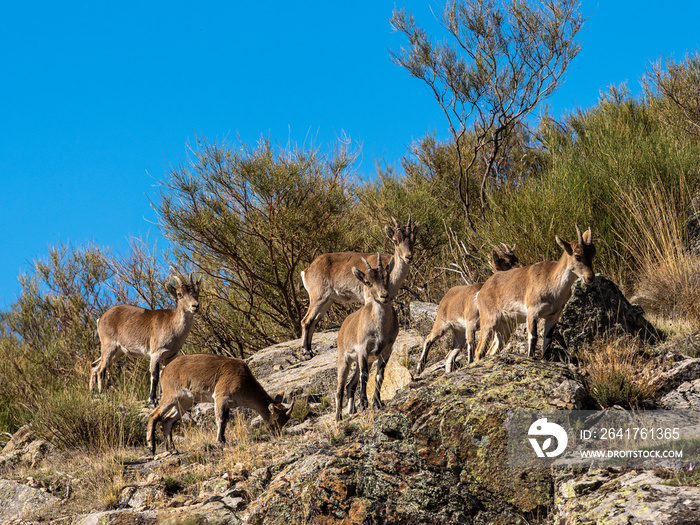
{"type": "Point", "coordinates": [618, 373]}
{"type": "Point", "coordinates": [332, 430]}
{"type": "Point", "coordinates": [668, 282]}
{"type": "Point", "coordinates": [671, 289]}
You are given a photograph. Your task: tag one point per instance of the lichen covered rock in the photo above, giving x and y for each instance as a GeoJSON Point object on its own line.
{"type": "Point", "coordinates": [605, 496]}
{"type": "Point", "coordinates": [437, 454]}
{"type": "Point", "coordinates": [597, 310]}
{"type": "Point", "coordinates": [17, 500]}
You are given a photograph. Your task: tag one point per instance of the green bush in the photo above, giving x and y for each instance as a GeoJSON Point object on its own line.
{"type": "Point", "coordinates": [605, 153]}
{"type": "Point", "coordinates": [251, 219]}
{"type": "Point", "coordinates": [48, 337]}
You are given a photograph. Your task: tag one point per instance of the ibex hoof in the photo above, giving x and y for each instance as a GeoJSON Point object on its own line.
{"type": "Point", "coordinates": [306, 355]}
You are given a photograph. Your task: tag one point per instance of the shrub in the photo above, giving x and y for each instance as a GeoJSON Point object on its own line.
{"type": "Point", "coordinates": [599, 156]}
{"type": "Point", "coordinates": [652, 229]}
{"type": "Point", "coordinates": [676, 87]}
{"type": "Point", "coordinates": [251, 220]}
{"type": "Point", "coordinates": [48, 337]}
{"type": "Point", "coordinates": [73, 419]}
{"type": "Point", "coordinates": [617, 373]}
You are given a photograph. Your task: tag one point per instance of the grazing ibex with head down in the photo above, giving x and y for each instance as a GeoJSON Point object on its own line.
{"type": "Point", "coordinates": [458, 312]}
{"type": "Point", "coordinates": [365, 336]}
{"type": "Point", "coordinates": [157, 335]}
{"type": "Point", "coordinates": [535, 292]}
{"type": "Point", "coordinates": [329, 278]}
{"type": "Point", "coordinates": [203, 378]}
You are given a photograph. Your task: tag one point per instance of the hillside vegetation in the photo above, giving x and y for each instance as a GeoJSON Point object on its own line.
{"type": "Point", "coordinates": [249, 218]}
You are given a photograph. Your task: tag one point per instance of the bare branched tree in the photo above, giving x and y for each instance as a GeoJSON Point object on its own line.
{"type": "Point", "coordinates": [140, 274]}
{"type": "Point", "coordinates": [679, 83]}
{"type": "Point", "coordinates": [500, 62]}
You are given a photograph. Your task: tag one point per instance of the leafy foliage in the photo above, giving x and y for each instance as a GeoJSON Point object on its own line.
{"type": "Point", "coordinates": [48, 338]}
{"type": "Point", "coordinates": [591, 163]}
{"type": "Point", "coordinates": [251, 220]}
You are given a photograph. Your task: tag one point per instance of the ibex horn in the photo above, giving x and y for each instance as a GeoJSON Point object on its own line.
{"type": "Point", "coordinates": [291, 407]}
{"type": "Point", "coordinates": [578, 232]}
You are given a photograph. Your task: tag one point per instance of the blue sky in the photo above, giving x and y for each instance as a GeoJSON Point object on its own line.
{"type": "Point", "coordinates": [99, 99]}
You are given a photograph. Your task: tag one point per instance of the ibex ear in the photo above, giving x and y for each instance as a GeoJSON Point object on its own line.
{"type": "Point", "coordinates": [494, 259]}
{"type": "Point", "coordinates": [197, 282]}
{"type": "Point", "coordinates": [390, 265]}
{"type": "Point", "coordinates": [564, 245]}
{"type": "Point", "coordinates": [588, 236]}
{"type": "Point", "coordinates": [416, 228]}
{"type": "Point", "coordinates": [170, 289]}
{"type": "Point", "coordinates": [389, 232]}
{"type": "Point", "coordinates": [279, 397]}
{"type": "Point", "coordinates": [357, 273]}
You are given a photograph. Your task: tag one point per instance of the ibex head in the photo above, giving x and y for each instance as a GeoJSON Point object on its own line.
{"type": "Point", "coordinates": [403, 238]}
{"type": "Point", "coordinates": [279, 414]}
{"type": "Point", "coordinates": [186, 294]}
{"type": "Point", "coordinates": [376, 280]}
{"type": "Point", "coordinates": [505, 259]}
{"type": "Point", "coordinates": [580, 253]}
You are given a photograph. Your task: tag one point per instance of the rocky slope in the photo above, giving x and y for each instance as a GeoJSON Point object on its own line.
{"type": "Point", "coordinates": [437, 453]}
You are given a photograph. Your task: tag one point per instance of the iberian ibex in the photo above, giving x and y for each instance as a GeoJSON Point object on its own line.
{"type": "Point", "coordinates": [329, 278]}
{"type": "Point", "coordinates": [365, 336]}
{"type": "Point", "coordinates": [531, 293]}
{"type": "Point", "coordinates": [458, 313]}
{"type": "Point", "coordinates": [205, 378]}
{"type": "Point", "coordinates": [157, 335]}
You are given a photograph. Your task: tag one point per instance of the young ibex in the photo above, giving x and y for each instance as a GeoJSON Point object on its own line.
{"type": "Point", "coordinates": [157, 335]}
{"type": "Point", "coordinates": [329, 279]}
{"type": "Point", "coordinates": [365, 336]}
{"type": "Point", "coordinates": [534, 292]}
{"type": "Point", "coordinates": [203, 378]}
{"type": "Point", "coordinates": [458, 312]}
